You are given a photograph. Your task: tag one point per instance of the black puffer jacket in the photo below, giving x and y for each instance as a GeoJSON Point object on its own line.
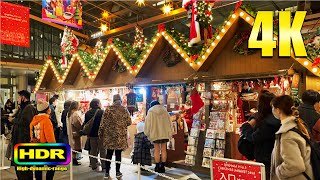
{"type": "Point", "coordinates": [263, 138]}
{"type": "Point", "coordinates": [95, 128]}
{"type": "Point", "coordinates": [309, 115]}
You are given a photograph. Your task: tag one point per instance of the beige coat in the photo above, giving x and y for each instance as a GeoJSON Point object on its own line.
{"type": "Point", "coordinates": [74, 127]}
{"type": "Point", "coordinates": [291, 154]}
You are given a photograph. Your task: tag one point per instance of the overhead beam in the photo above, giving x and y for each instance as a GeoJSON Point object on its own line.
{"type": "Point", "coordinates": [153, 20]}
{"type": "Point", "coordinates": [275, 5]}
{"type": "Point", "coordinates": [124, 6]}
{"type": "Point", "coordinates": [57, 26]}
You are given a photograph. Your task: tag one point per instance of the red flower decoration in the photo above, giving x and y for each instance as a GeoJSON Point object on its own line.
{"type": "Point", "coordinates": [316, 61]}
{"type": "Point", "coordinates": [161, 28]}
{"type": "Point", "coordinates": [133, 67]}
{"type": "Point", "coordinates": [110, 40]}
{"type": "Point", "coordinates": [208, 13]}
{"type": "Point", "coordinates": [194, 57]}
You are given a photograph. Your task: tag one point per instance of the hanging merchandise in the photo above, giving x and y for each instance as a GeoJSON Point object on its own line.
{"type": "Point", "coordinates": [139, 39]}
{"type": "Point", "coordinates": [131, 102]}
{"type": "Point", "coordinates": [201, 18]}
{"type": "Point", "coordinates": [69, 44]}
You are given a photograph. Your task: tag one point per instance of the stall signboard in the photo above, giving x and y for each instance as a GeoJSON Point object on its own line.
{"type": "Point", "coordinates": [15, 25]}
{"type": "Point", "coordinates": [65, 12]}
{"type": "Point", "coordinates": [230, 169]}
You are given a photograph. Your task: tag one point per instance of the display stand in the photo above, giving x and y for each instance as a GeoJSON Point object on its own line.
{"type": "Point", "coordinates": [3, 140]}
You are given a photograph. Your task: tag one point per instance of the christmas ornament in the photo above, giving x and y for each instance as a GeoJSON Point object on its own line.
{"type": "Point", "coordinates": [69, 43]}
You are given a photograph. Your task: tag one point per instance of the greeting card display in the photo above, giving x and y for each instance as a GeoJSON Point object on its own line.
{"type": "Point", "coordinates": [206, 162]}
{"type": "Point", "coordinates": [207, 152]}
{"type": "Point", "coordinates": [210, 134]}
{"type": "Point", "coordinates": [191, 150]}
{"type": "Point", "coordinates": [192, 141]}
{"type": "Point", "coordinates": [196, 124]}
{"type": "Point", "coordinates": [218, 153]}
{"type": "Point", "coordinates": [220, 135]}
{"type": "Point", "coordinates": [220, 144]}
{"type": "Point", "coordinates": [210, 143]}
{"type": "Point", "coordinates": [194, 132]}
{"type": "Point", "coordinates": [191, 160]}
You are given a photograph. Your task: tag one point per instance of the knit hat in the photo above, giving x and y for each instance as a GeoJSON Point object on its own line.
{"type": "Point", "coordinates": [140, 127]}
{"type": "Point", "coordinates": [116, 97]}
{"type": "Point", "coordinates": [42, 106]}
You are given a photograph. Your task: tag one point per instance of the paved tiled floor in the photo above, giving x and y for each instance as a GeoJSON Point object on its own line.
{"type": "Point", "coordinates": [83, 172]}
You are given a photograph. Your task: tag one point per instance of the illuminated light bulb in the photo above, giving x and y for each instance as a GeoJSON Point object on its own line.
{"type": "Point", "coordinates": [241, 14]}
{"type": "Point", "coordinates": [140, 2]}
{"type": "Point", "coordinates": [119, 57]}
{"type": "Point", "coordinates": [223, 30]}
{"type": "Point", "coordinates": [144, 56]}
{"type": "Point", "coordinates": [208, 50]}
{"type": "Point", "coordinates": [199, 63]}
{"type": "Point", "coordinates": [95, 72]}
{"type": "Point", "coordinates": [218, 37]}
{"type": "Point", "coordinates": [103, 27]}
{"type": "Point", "coordinates": [130, 72]}
{"type": "Point", "coordinates": [314, 70]}
{"type": "Point", "coordinates": [141, 61]}
{"type": "Point", "coordinates": [97, 68]}
{"type": "Point", "coordinates": [182, 55]}
{"type": "Point", "coordinates": [166, 9]}
{"type": "Point", "coordinates": [275, 38]}
{"type": "Point", "coordinates": [187, 59]}
{"type": "Point", "coordinates": [158, 34]}
{"type": "Point", "coordinates": [178, 50]}
{"type": "Point", "coordinates": [128, 68]}
{"type": "Point", "coordinates": [88, 74]}
{"type": "Point", "coordinates": [203, 57]}
{"type": "Point", "coordinates": [106, 51]}
{"type": "Point", "coordinates": [154, 40]}
{"type": "Point", "coordinates": [135, 70]}
{"type": "Point", "coordinates": [234, 16]}
{"type": "Point", "coordinates": [117, 53]}
{"type": "Point", "coordinates": [213, 44]}
{"type": "Point", "coordinates": [228, 23]}
{"type": "Point", "coordinates": [174, 46]}
{"type": "Point", "coordinates": [148, 50]}
{"type": "Point", "coordinates": [162, 32]}
{"type": "Point", "coordinates": [105, 14]}
{"type": "Point", "coordinates": [291, 51]}
{"type": "Point", "coordinates": [151, 45]}
{"type": "Point", "coordinates": [191, 64]}
{"type": "Point", "coordinates": [306, 63]}
{"type": "Point", "coordinates": [108, 47]}
{"type": "Point", "coordinates": [167, 37]}
{"type": "Point", "coordinates": [139, 66]}
{"type": "Point", "coordinates": [89, 77]}
{"type": "Point", "coordinates": [100, 64]}
{"type": "Point", "coordinates": [122, 60]}
{"type": "Point", "coordinates": [170, 41]}
{"type": "Point", "coordinates": [112, 45]}
{"type": "Point", "coordinates": [247, 18]}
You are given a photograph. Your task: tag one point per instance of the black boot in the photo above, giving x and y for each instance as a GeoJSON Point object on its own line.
{"type": "Point", "coordinates": [75, 162]}
{"type": "Point", "coordinates": [162, 168]}
{"type": "Point", "coordinates": [156, 169]}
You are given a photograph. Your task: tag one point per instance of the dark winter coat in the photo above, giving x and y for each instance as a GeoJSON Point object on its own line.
{"type": "Point", "coordinates": [64, 122]}
{"type": "Point", "coordinates": [95, 127]}
{"type": "Point", "coordinates": [53, 117]}
{"type": "Point", "coordinates": [21, 122]}
{"type": "Point", "coordinates": [309, 115]}
{"type": "Point", "coordinates": [141, 152]}
{"type": "Point", "coordinates": [263, 138]}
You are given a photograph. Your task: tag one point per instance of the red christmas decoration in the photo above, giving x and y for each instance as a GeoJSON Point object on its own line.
{"type": "Point", "coordinates": [161, 28]}
{"type": "Point", "coordinates": [194, 57]}
{"type": "Point", "coordinates": [316, 62]}
{"type": "Point", "coordinates": [237, 6]}
{"type": "Point", "coordinates": [110, 40]}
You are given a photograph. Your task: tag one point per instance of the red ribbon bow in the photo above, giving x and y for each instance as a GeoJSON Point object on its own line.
{"type": "Point", "coordinates": [237, 6]}
{"type": "Point", "coordinates": [110, 40]}
{"type": "Point", "coordinates": [161, 28]}
{"type": "Point", "coordinates": [316, 61]}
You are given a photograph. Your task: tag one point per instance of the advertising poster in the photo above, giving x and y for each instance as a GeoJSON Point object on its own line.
{"type": "Point", "coordinates": [65, 12]}
{"type": "Point", "coordinates": [15, 25]}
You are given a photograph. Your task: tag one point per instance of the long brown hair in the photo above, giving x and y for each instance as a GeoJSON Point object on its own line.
{"type": "Point", "coordinates": [286, 104]}
{"type": "Point", "coordinates": [264, 106]}
{"type": "Point", "coordinates": [73, 107]}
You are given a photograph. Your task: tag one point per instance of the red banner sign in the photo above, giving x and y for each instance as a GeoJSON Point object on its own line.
{"type": "Point", "coordinates": [225, 169]}
{"type": "Point", "coordinates": [15, 25]}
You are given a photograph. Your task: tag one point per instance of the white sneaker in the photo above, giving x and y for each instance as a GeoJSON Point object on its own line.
{"type": "Point", "coordinates": [99, 169]}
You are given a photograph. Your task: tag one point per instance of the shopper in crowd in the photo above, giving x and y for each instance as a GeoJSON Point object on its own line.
{"type": "Point", "coordinates": [74, 128]}
{"type": "Point", "coordinates": [9, 106]}
{"type": "Point", "coordinates": [21, 130]}
{"type": "Point", "coordinates": [41, 131]}
{"type": "Point", "coordinates": [261, 130]}
{"type": "Point", "coordinates": [291, 154]}
{"type": "Point", "coordinates": [113, 132]}
{"type": "Point", "coordinates": [307, 111]}
{"type": "Point", "coordinates": [142, 147]}
{"type": "Point", "coordinates": [53, 117]}
{"type": "Point", "coordinates": [96, 146]}
{"type": "Point", "coordinates": [64, 122]}
{"type": "Point", "coordinates": [158, 130]}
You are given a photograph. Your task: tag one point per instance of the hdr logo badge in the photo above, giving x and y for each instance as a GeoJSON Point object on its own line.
{"type": "Point", "coordinates": [42, 154]}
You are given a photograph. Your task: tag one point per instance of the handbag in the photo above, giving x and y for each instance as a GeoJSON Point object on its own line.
{"type": "Point", "coordinates": [88, 126]}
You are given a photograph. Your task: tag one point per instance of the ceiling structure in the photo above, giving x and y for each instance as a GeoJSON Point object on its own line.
{"type": "Point", "coordinates": [124, 13]}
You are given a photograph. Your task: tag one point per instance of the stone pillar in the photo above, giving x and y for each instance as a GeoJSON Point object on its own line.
{"type": "Point", "coordinates": [22, 82]}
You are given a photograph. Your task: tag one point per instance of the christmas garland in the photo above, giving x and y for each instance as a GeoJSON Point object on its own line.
{"type": "Point", "coordinates": [241, 43]}
{"type": "Point", "coordinates": [312, 45]}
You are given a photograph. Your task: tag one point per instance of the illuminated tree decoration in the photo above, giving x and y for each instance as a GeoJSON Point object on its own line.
{"type": "Point", "coordinates": [204, 14]}
{"type": "Point", "coordinates": [139, 39]}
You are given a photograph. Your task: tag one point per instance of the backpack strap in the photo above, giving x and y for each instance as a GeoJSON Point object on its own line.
{"type": "Point", "coordinates": [308, 141]}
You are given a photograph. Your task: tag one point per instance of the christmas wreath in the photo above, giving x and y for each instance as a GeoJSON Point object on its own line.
{"type": "Point", "coordinates": [241, 43]}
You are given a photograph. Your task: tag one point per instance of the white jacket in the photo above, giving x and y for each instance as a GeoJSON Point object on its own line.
{"type": "Point", "coordinates": [158, 124]}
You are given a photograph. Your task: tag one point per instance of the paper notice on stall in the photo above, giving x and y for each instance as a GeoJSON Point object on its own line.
{"type": "Point", "coordinates": [172, 105]}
